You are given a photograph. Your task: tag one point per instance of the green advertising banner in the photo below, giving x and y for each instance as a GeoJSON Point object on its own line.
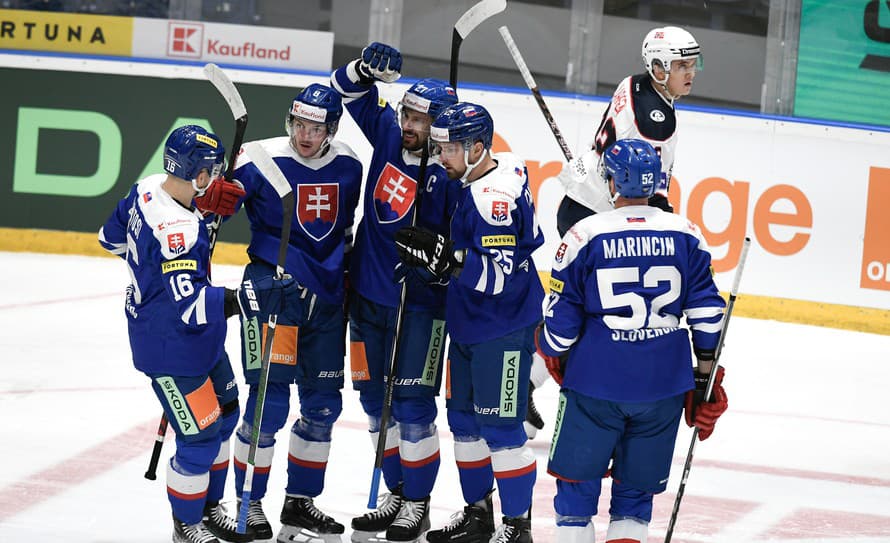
{"type": "Point", "coordinates": [71, 143]}
{"type": "Point", "coordinates": [843, 69]}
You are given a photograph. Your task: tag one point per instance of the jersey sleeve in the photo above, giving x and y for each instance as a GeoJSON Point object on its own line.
{"type": "Point", "coordinates": [504, 234]}
{"type": "Point", "coordinates": [704, 305]}
{"type": "Point", "coordinates": [371, 112]}
{"type": "Point", "coordinates": [113, 234]}
{"type": "Point", "coordinates": [564, 314]}
{"type": "Point", "coordinates": [184, 273]}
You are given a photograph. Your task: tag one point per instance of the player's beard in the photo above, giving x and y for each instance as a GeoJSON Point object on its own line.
{"type": "Point", "coordinates": [413, 140]}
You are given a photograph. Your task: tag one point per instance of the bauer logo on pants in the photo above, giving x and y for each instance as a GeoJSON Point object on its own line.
{"type": "Point", "coordinates": [876, 248]}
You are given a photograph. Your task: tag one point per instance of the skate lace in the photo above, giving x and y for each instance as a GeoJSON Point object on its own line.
{"type": "Point", "coordinates": [410, 514]}
{"type": "Point", "coordinates": [315, 512]}
{"type": "Point", "coordinates": [503, 534]}
{"type": "Point", "coordinates": [255, 513]}
{"type": "Point", "coordinates": [219, 516]}
{"type": "Point", "coordinates": [386, 505]}
{"type": "Point", "coordinates": [198, 533]}
{"type": "Point", "coordinates": [454, 522]}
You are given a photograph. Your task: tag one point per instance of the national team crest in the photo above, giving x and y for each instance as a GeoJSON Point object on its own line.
{"type": "Point", "coordinates": [561, 252]}
{"type": "Point", "coordinates": [393, 194]}
{"type": "Point", "coordinates": [176, 243]}
{"type": "Point", "coordinates": [317, 208]}
{"type": "Point", "coordinates": [499, 211]}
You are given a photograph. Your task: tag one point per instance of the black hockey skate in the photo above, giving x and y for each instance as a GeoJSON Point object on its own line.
{"type": "Point", "coordinates": [192, 533]}
{"type": "Point", "coordinates": [302, 521]}
{"type": "Point", "coordinates": [514, 530]}
{"type": "Point", "coordinates": [475, 524]}
{"type": "Point", "coordinates": [531, 413]}
{"type": "Point", "coordinates": [222, 525]}
{"type": "Point", "coordinates": [413, 520]}
{"type": "Point", "coordinates": [367, 527]}
{"type": "Point", "coordinates": [257, 521]}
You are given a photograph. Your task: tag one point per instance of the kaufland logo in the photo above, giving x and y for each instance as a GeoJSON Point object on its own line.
{"type": "Point", "coordinates": [185, 40]}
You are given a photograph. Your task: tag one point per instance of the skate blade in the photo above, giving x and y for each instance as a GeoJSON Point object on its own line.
{"type": "Point", "coordinates": [380, 537]}
{"type": "Point", "coordinates": [292, 534]}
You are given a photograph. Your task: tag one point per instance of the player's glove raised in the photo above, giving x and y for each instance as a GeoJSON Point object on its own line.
{"type": "Point", "coordinates": [380, 62]}
{"type": "Point", "coordinates": [582, 178]}
{"type": "Point", "coordinates": [556, 365]}
{"type": "Point", "coordinates": [421, 248]}
{"type": "Point", "coordinates": [700, 413]}
{"type": "Point", "coordinates": [221, 197]}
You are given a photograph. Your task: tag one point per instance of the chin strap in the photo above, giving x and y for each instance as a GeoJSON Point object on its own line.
{"type": "Point", "coordinates": [470, 167]}
{"type": "Point", "coordinates": [200, 192]}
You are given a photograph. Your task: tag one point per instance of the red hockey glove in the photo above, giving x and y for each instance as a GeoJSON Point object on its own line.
{"type": "Point", "coordinates": [556, 365]}
{"type": "Point", "coordinates": [700, 413]}
{"type": "Point", "coordinates": [221, 198]}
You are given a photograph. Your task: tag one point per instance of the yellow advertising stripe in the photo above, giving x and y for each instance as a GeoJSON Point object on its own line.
{"type": "Point", "coordinates": [66, 32]}
{"type": "Point", "coordinates": [862, 319]}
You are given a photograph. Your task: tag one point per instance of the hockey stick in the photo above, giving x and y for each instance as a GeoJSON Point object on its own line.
{"type": "Point", "coordinates": [228, 91]}
{"type": "Point", "coordinates": [532, 86]}
{"type": "Point", "coordinates": [688, 466]}
{"type": "Point", "coordinates": [270, 171]}
{"type": "Point", "coordinates": [462, 28]}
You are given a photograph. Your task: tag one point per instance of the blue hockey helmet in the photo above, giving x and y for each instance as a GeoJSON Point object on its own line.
{"type": "Point", "coordinates": [318, 103]}
{"type": "Point", "coordinates": [635, 167]}
{"type": "Point", "coordinates": [429, 96]}
{"type": "Point", "coordinates": [190, 149]}
{"type": "Point", "coordinates": [464, 122]}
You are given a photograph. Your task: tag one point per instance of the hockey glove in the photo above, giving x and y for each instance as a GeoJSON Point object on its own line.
{"type": "Point", "coordinates": [581, 178]}
{"type": "Point", "coordinates": [220, 198]}
{"type": "Point", "coordinates": [661, 202]}
{"type": "Point", "coordinates": [556, 365]}
{"type": "Point", "coordinates": [380, 62]}
{"type": "Point", "coordinates": [700, 413]}
{"type": "Point", "coordinates": [421, 248]}
{"type": "Point", "coordinates": [266, 295]}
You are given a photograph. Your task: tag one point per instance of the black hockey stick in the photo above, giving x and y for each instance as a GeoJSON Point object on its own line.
{"type": "Point", "coordinates": [228, 91]}
{"type": "Point", "coordinates": [270, 171]}
{"type": "Point", "coordinates": [532, 86]}
{"type": "Point", "coordinates": [687, 467]}
{"type": "Point", "coordinates": [462, 28]}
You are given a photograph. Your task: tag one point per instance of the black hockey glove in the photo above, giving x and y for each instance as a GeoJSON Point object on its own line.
{"type": "Point", "coordinates": [661, 202]}
{"type": "Point", "coordinates": [421, 248]}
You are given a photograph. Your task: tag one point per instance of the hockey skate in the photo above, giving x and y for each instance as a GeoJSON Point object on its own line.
{"type": "Point", "coordinates": [257, 521]}
{"type": "Point", "coordinates": [302, 522]}
{"type": "Point", "coordinates": [192, 533]}
{"type": "Point", "coordinates": [222, 525]}
{"type": "Point", "coordinates": [514, 530]}
{"type": "Point", "coordinates": [367, 528]}
{"type": "Point", "coordinates": [412, 521]}
{"type": "Point", "coordinates": [475, 524]}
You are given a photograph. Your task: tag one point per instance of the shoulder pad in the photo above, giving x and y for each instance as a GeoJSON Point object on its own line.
{"type": "Point", "coordinates": [340, 148]}
{"type": "Point", "coordinates": [495, 194]}
{"type": "Point", "coordinates": [175, 228]}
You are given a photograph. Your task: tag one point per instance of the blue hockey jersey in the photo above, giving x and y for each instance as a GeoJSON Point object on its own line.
{"type": "Point", "coordinates": [499, 290]}
{"type": "Point", "coordinates": [389, 199]}
{"type": "Point", "coordinates": [326, 191]}
{"type": "Point", "coordinates": [175, 316]}
{"type": "Point", "coordinates": [621, 282]}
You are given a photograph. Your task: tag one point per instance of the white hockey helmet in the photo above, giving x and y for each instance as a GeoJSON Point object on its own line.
{"type": "Point", "coordinates": [667, 44]}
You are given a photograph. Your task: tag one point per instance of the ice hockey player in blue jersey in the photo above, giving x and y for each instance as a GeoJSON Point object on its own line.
{"type": "Point", "coordinates": [493, 305]}
{"type": "Point", "coordinates": [411, 460]}
{"type": "Point", "coordinates": [308, 348]}
{"type": "Point", "coordinates": [621, 282]}
{"type": "Point", "coordinates": [177, 325]}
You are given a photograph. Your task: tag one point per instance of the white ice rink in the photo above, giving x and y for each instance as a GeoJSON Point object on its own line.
{"type": "Point", "coordinates": [802, 455]}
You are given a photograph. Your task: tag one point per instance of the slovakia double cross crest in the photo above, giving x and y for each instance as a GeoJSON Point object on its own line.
{"type": "Point", "coordinates": [393, 194]}
{"type": "Point", "coordinates": [317, 208]}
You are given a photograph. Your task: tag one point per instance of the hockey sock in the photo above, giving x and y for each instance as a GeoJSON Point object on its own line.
{"type": "Point", "coordinates": [392, 466]}
{"type": "Point", "coordinates": [262, 462]}
{"type": "Point", "coordinates": [474, 467]}
{"type": "Point", "coordinates": [419, 449]}
{"type": "Point", "coordinates": [307, 458]}
{"type": "Point", "coordinates": [218, 472]}
{"type": "Point", "coordinates": [515, 470]}
{"type": "Point", "coordinates": [187, 493]}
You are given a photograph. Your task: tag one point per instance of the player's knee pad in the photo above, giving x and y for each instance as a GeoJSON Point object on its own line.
{"type": "Point", "coordinates": [630, 503]}
{"type": "Point", "coordinates": [576, 500]}
{"type": "Point", "coordinates": [195, 457]}
{"type": "Point", "coordinates": [275, 407]}
{"type": "Point", "coordinates": [463, 424]}
{"type": "Point", "coordinates": [319, 410]}
{"type": "Point", "coordinates": [416, 432]}
{"type": "Point", "coordinates": [508, 436]}
{"type": "Point", "coordinates": [418, 411]}
{"type": "Point", "coordinates": [371, 399]}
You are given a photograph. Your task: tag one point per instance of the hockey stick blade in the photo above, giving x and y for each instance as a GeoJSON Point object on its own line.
{"type": "Point", "coordinates": [467, 22]}
{"type": "Point", "coordinates": [226, 88]}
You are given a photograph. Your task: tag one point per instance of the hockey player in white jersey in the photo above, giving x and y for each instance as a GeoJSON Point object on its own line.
{"type": "Point", "coordinates": [622, 281]}
{"type": "Point", "coordinates": [177, 325]}
{"type": "Point", "coordinates": [492, 306]}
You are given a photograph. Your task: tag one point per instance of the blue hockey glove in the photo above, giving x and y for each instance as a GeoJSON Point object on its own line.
{"type": "Point", "coordinates": [380, 62]}
{"type": "Point", "coordinates": [266, 295]}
